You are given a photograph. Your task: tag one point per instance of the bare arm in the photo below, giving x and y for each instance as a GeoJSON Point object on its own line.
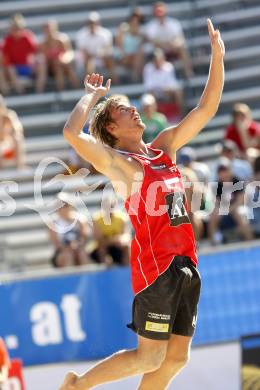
{"type": "Point", "coordinates": [83, 232]}
{"type": "Point", "coordinates": [15, 124]}
{"type": "Point", "coordinates": [174, 138]}
{"type": "Point", "coordinates": [54, 238]}
{"type": "Point", "coordinates": [84, 144]}
{"type": "Point", "coordinates": [18, 137]}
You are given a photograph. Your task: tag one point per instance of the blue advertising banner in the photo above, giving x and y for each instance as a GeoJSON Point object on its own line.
{"type": "Point", "coordinates": [83, 316]}
{"type": "Point", "coordinates": [64, 318]}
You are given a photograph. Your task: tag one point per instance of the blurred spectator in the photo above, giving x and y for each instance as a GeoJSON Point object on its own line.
{"type": "Point", "coordinates": [68, 235]}
{"type": "Point", "coordinates": [235, 221]}
{"type": "Point", "coordinates": [11, 137]}
{"type": "Point", "coordinates": [166, 33]}
{"type": "Point", "coordinates": [59, 56]}
{"type": "Point", "coordinates": [160, 79]}
{"type": "Point", "coordinates": [201, 190]}
{"type": "Point", "coordinates": [253, 191]}
{"type": "Point", "coordinates": [154, 121]}
{"type": "Point", "coordinates": [95, 46]}
{"type": "Point", "coordinates": [4, 363]}
{"type": "Point", "coordinates": [129, 49]}
{"type": "Point", "coordinates": [20, 52]}
{"type": "Point", "coordinates": [4, 85]}
{"type": "Point", "coordinates": [187, 157]}
{"type": "Point", "coordinates": [111, 234]}
{"type": "Point", "coordinates": [241, 168]}
{"type": "Point", "coordinates": [243, 130]}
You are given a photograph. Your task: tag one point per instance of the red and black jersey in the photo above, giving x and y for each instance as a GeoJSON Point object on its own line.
{"type": "Point", "coordinates": [158, 212]}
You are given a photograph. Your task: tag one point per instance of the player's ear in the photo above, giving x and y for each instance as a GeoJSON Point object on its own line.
{"type": "Point", "coordinates": [111, 128]}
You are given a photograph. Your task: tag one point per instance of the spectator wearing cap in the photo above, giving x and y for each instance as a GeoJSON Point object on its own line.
{"type": "Point", "coordinates": [241, 168]}
{"type": "Point", "coordinates": [20, 55]}
{"type": "Point", "coordinates": [11, 137]}
{"type": "Point", "coordinates": [129, 45]}
{"type": "Point", "coordinates": [95, 46]}
{"type": "Point", "coordinates": [243, 130]}
{"type": "Point", "coordinates": [187, 157]}
{"type": "Point", "coordinates": [154, 121]}
{"type": "Point", "coordinates": [235, 221]}
{"type": "Point", "coordinates": [59, 56]}
{"type": "Point", "coordinates": [166, 33]}
{"type": "Point", "coordinates": [160, 79]}
{"type": "Point", "coordinates": [68, 233]}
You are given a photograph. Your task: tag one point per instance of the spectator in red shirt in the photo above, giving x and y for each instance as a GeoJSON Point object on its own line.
{"type": "Point", "coordinates": [243, 130]}
{"type": "Point", "coordinates": [20, 52]}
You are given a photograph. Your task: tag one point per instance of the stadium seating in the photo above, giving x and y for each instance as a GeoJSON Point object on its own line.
{"type": "Point", "coordinates": [23, 237]}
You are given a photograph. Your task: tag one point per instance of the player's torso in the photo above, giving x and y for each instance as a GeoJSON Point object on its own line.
{"type": "Point", "coordinates": [158, 212]}
{"type": "Point", "coordinates": [160, 192]}
{"type": "Point", "coordinates": [128, 174]}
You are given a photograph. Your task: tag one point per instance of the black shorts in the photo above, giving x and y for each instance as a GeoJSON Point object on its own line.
{"type": "Point", "coordinates": [169, 305]}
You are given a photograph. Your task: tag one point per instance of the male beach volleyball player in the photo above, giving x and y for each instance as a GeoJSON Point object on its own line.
{"type": "Point", "coordinates": [165, 280]}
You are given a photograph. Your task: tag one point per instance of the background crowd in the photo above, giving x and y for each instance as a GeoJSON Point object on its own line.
{"type": "Point", "coordinates": [139, 51]}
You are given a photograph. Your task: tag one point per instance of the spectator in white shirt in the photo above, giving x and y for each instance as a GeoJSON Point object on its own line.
{"type": "Point", "coordinates": [160, 79]}
{"type": "Point", "coordinates": [166, 33]}
{"type": "Point", "coordinates": [95, 46]}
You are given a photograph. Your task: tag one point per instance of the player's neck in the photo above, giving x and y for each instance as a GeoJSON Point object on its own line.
{"type": "Point", "coordinates": [138, 148]}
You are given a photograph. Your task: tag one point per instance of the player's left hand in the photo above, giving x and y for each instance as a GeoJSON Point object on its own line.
{"type": "Point", "coordinates": [217, 44]}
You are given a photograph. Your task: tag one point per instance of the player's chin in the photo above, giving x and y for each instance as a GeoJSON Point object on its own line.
{"type": "Point", "coordinates": [141, 125]}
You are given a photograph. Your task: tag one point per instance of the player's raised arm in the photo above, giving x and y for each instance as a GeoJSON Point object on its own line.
{"type": "Point", "coordinates": [86, 145]}
{"type": "Point", "coordinates": [174, 138]}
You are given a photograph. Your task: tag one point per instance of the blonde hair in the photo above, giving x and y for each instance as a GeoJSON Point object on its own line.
{"type": "Point", "coordinates": [102, 118]}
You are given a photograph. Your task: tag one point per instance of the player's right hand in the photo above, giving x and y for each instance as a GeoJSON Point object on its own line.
{"type": "Point", "coordinates": [94, 84]}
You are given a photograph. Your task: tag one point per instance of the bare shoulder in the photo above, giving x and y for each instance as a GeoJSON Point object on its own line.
{"type": "Point", "coordinates": [125, 174]}
{"type": "Point", "coordinates": [123, 162]}
{"type": "Point", "coordinates": [11, 115]}
{"type": "Point", "coordinates": [164, 142]}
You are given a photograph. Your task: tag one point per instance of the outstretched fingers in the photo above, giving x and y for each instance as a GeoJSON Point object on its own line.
{"type": "Point", "coordinates": [100, 81]}
{"type": "Point", "coordinates": [221, 42]}
{"type": "Point", "coordinates": [211, 29]}
{"type": "Point", "coordinates": [96, 80]}
{"type": "Point", "coordinates": [86, 80]}
{"type": "Point", "coordinates": [108, 84]}
{"type": "Point", "coordinates": [215, 37]}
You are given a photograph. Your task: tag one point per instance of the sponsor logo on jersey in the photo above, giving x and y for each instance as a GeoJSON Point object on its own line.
{"type": "Point", "coordinates": [157, 167]}
{"type": "Point", "coordinates": [156, 327]}
{"type": "Point", "coordinates": [159, 316]}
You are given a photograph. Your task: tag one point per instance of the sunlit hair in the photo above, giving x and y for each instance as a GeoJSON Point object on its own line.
{"type": "Point", "coordinates": [102, 118]}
